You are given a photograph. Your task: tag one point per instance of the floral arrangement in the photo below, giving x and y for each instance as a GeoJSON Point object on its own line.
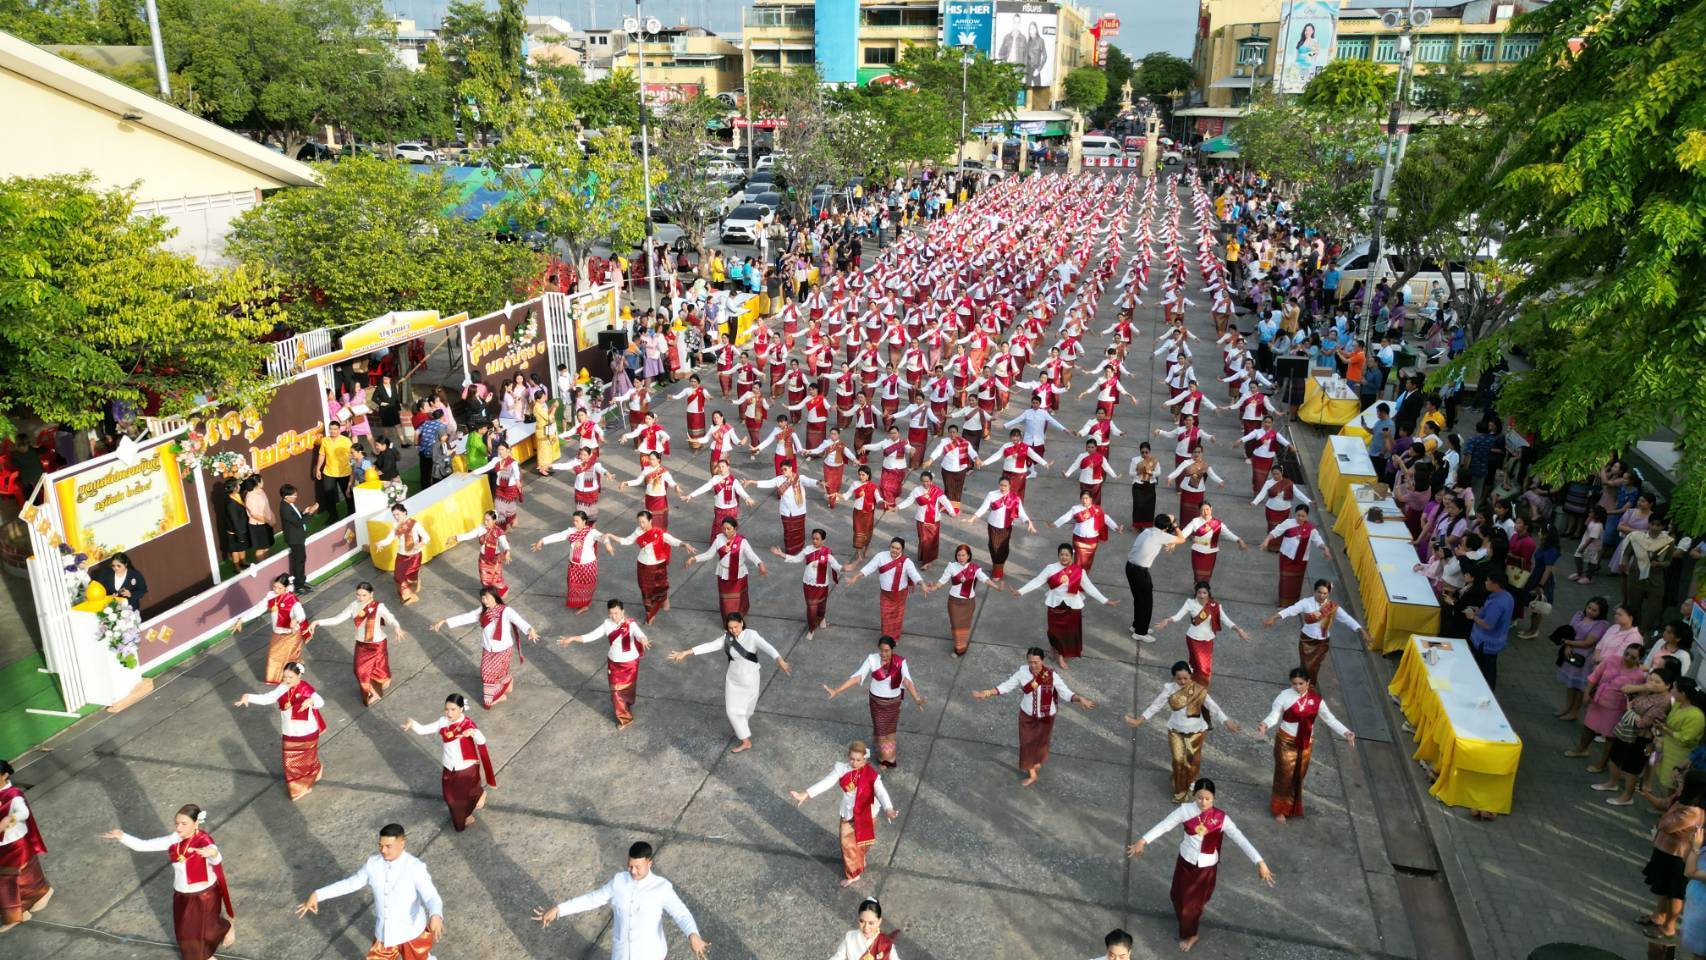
{"type": "Point", "coordinates": [76, 578]}
{"type": "Point", "coordinates": [192, 453]}
{"type": "Point", "coordinates": [396, 491]}
{"type": "Point", "coordinates": [525, 332]}
{"type": "Point", "coordinates": [121, 630]}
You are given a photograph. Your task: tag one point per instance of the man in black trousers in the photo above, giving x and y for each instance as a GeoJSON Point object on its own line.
{"type": "Point", "coordinates": [1144, 550]}
{"type": "Point", "coordinates": [295, 522]}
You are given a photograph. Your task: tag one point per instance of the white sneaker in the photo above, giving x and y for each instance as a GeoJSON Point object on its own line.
{"type": "Point", "coordinates": [1145, 638]}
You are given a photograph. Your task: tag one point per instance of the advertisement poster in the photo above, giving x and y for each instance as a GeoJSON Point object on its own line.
{"type": "Point", "coordinates": [1025, 34]}
{"type": "Point", "coordinates": [592, 314]}
{"type": "Point", "coordinates": [1309, 30]}
{"type": "Point", "coordinates": [118, 506]}
{"type": "Point", "coordinates": [500, 345]}
{"type": "Point", "coordinates": [281, 444]}
{"type": "Point", "coordinates": [968, 23]}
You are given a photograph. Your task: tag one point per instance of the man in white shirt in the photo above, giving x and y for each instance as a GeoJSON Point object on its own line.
{"type": "Point", "coordinates": [1144, 550]}
{"type": "Point", "coordinates": [408, 914]}
{"type": "Point", "coordinates": [1035, 423]}
{"type": "Point", "coordinates": [638, 899]}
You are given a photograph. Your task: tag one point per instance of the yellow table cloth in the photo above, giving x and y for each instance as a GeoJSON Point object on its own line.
{"type": "Point", "coordinates": [1343, 462]}
{"type": "Point", "coordinates": [1328, 401]}
{"type": "Point", "coordinates": [1470, 746]}
{"type": "Point", "coordinates": [1359, 499]}
{"type": "Point", "coordinates": [449, 508]}
{"type": "Point", "coordinates": [1355, 430]}
{"type": "Point", "coordinates": [1397, 601]}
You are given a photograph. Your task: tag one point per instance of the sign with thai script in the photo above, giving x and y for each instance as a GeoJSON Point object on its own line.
{"type": "Point", "coordinates": [118, 505]}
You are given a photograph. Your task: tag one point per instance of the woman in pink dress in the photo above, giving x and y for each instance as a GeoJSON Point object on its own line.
{"type": "Point", "coordinates": [1606, 701]}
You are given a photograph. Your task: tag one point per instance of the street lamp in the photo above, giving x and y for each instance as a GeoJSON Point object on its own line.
{"type": "Point", "coordinates": [637, 29]}
{"type": "Point", "coordinates": [1405, 20]}
{"type": "Point", "coordinates": [966, 60]}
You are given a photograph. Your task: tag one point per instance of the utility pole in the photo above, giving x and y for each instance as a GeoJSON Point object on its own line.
{"type": "Point", "coordinates": [637, 27]}
{"type": "Point", "coordinates": [1388, 164]}
{"type": "Point", "coordinates": [965, 68]}
{"type": "Point", "coordinates": [160, 75]}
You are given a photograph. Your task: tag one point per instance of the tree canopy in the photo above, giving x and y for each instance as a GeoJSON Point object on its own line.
{"type": "Point", "coordinates": [992, 86]}
{"type": "Point", "coordinates": [99, 312]}
{"type": "Point", "coordinates": [1327, 160]}
{"type": "Point", "coordinates": [377, 237]}
{"type": "Point", "coordinates": [1599, 171]}
{"type": "Point", "coordinates": [1161, 73]}
{"type": "Point", "coordinates": [1084, 88]}
{"type": "Point", "coordinates": [1349, 88]}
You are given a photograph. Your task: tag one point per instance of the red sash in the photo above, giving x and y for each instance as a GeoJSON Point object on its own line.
{"type": "Point", "coordinates": [895, 449]}
{"type": "Point", "coordinates": [489, 544]}
{"type": "Point", "coordinates": [1324, 615]}
{"type": "Point", "coordinates": [864, 497]}
{"type": "Point", "coordinates": [966, 578]}
{"type": "Point", "coordinates": [281, 605]}
{"type": "Point", "coordinates": [820, 558]}
{"type": "Point", "coordinates": [1267, 437]}
{"type": "Point", "coordinates": [367, 621]}
{"type": "Point", "coordinates": [1009, 506]}
{"type": "Point", "coordinates": [932, 495]}
{"type": "Point", "coordinates": [725, 490]}
{"type": "Point", "coordinates": [650, 435]}
{"type": "Point", "coordinates": [894, 566]}
{"type": "Point", "coordinates": [407, 541]}
{"type": "Point", "coordinates": [1207, 827]}
{"type": "Point", "coordinates": [730, 551]}
{"type": "Point", "coordinates": [295, 701]}
{"type": "Point", "coordinates": [470, 749]}
{"type": "Point", "coordinates": [576, 538]}
{"type": "Point", "coordinates": [1071, 575]}
{"type": "Point", "coordinates": [1019, 453]}
{"type": "Point", "coordinates": [27, 846]}
{"type": "Point", "coordinates": [624, 635]}
{"type": "Point", "coordinates": [507, 490]}
{"type": "Point", "coordinates": [654, 538]}
{"type": "Point", "coordinates": [1098, 521]}
{"type": "Point", "coordinates": [1301, 531]}
{"type": "Point", "coordinates": [862, 784]}
{"type": "Point", "coordinates": [196, 867]}
{"type": "Point", "coordinates": [1303, 713]}
{"type": "Point", "coordinates": [892, 669]}
{"type": "Point", "coordinates": [1211, 613]}
{"type": "Point", "coordinates": [1211, 530]}
{"type": "Point", "coordinates": [1040, 688]}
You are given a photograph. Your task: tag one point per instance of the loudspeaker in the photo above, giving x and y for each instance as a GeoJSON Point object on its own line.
{"type": "Point", "coordinates": [1291, 368]}
{"type": "Point", "coordinates": [616, 340]}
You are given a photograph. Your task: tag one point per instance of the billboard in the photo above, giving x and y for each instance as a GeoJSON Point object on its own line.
{"type": "Point", "coordinates": [500, 345]}
{"type": "Point", "coordinates": [969, 23]}
{"type": "Point", "coordinates": [123, 503]}
{"type": "Point", "coordinates": [1025, 34]}
{"type": "Point", "coordinates": [1308, 35]}
{"type": "Point", "coordinates": [837, 40]}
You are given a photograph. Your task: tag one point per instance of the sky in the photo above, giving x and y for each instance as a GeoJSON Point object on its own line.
{"type": "Point", "coordinates": [1145, 25]}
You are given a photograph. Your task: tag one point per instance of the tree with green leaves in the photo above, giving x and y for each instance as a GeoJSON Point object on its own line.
{"type": "Point", "coordinates": [1349, 88]}
{"type": "Point", "coordinates": [1325, 161]}
{"type": "Point", "coordinates": [376, 237]}
{"type": "Point", "coordinates": [1118, 68]}
{"type": "Point", "coordinates": [912, 127]}
{"type": "Point", "coordinates": [1084, 88]}
{"type": "Point", "coordinates": [98, 311]}
{"type": "Point", "coordinates": [576, 197]}
{"type": "Point", "coordinates": [1161, 73]}
{"type": "Point", "coordinates": [1597, 172]}
{"type": "Point", "coordinates": [811, 145]}
{"type": "Point", "coordinates": [688, 194]}
{"type": "Point", "coordinates": [992, 86]}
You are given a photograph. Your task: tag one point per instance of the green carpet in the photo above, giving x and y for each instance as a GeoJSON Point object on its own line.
{"type": "Point", "coordinates": [23, 686]}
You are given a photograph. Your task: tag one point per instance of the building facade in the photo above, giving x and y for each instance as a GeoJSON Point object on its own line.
{"type": "Point", "coordinates": [858, 41]}
{"type": "Point", "coordinates": [681, 62]}
{"type": "Point", "coordinates": [1239, 46]}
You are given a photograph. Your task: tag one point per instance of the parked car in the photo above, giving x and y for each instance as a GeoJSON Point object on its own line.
{"type": "Point", "coordinates": [721, 153]}
{"type": "Point", "coordinates": [770, 160]}
{"type": "Point", "coordinates": [723, 168]}
{"type": "Point", "coordinates": [315, 151]}
{"type": "Point", "coordinates": [1172, 155]}
{"type": "Point", "coordinates": [772, 200]}
{"type": "Point", "coordinates": [756, 187]}
{"type": "Point", "coordinates": [744, 223]}
{"type": "Point", "coordinates": [415, 152]}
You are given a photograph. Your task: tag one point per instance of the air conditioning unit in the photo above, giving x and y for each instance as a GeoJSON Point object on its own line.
{"type": "Point", "coordinates": [1421, 18]}
{"type": "Point", "coordinates": [1392, 19]}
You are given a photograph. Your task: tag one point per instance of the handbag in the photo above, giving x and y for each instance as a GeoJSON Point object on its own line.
{"type": "Point", "coordinates": [1517, 576]}
{"type": "Point", "coordinates": [1541, 607]}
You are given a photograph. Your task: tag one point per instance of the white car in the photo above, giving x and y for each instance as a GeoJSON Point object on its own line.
{"type": "Point", "coordinates": [768, 161]}
{"type": "Point", "coordinates": [744, 223]}
{"type": "Point", "coordinates": [723, 169]}
{"type": "Point", "coordinates": [416, 153]}
{"type": "Point", "coordinates": [1171, 155]}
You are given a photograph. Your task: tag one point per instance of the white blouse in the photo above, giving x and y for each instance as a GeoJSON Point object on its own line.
{"type": "Point", "coordinates": [1059, 595]}
{"type": "Point", "coordinates": [1277, 502]}
{"type": "Point", "coordinates": [1202, 538]}
{"type": "Point", "coordinates": [731, 564]}
{"type": "Point", "coordinates": [854, 946]}
{"type": "Point", "coordinates": [1283, 702]}
{"type": "Point", "coordinates": [1291, 547]}
{"type": "Point", "coordinates": [588, 549]}
{"type": "Point", "coordinates": [899, 578]}
{"type": "Point", "coordinates": [963, 590]}
{"type": "Point", "coordinates": [1319, 630]}
{"type": "Point", "coordinates": [998, 515]}
{"type": "Point", "coordinates": [1203, 631]}
{"type": "Point", "coordinates": [500, 634]}
{"type": "Point", "coordinates": [1179, 720]}
{"type": "Point", "coordinates": [288, 725]}
{"type": "Point", "coordinates": [616, 654]}
{"type": "Point", "coordinates": [793, 498]}
{"type": "Point", "coordinates": [1190, 848]}
{"type": "Point", "coordinates": [1030, 704]}
{"type": "Point", "coordinates": [382, 617]}
{"type": "Point", "coordinates": [452, 755]}
{"type": "Point", "coordinates": [818, 571]}
{"type": "Point", "coordinates": [180, 875]}
{"type": "Point", "coordinates": [888, 687]}
{"type": "Point", "coordinates": [846, 810]}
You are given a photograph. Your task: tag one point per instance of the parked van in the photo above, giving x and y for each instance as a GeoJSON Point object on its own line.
{"type": "Point", "coordinates": [1099, 146]}
{"type": "Point", "coordinates": [1354, 264]}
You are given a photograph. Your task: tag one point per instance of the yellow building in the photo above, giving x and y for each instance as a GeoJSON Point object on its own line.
{"type": "Point", "coordinates": [1236, 43]}
{"type": "Point", "coordinates": [681, 62]}
{"type": "Point", "coordinates": [64, 118]}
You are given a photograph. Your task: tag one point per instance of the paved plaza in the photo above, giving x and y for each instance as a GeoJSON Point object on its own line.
{"type": "Point", "coordinates": [974, 866]}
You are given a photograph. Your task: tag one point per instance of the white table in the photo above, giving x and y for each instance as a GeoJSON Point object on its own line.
{"type": "Point", "coordinates": [1460, 728]}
